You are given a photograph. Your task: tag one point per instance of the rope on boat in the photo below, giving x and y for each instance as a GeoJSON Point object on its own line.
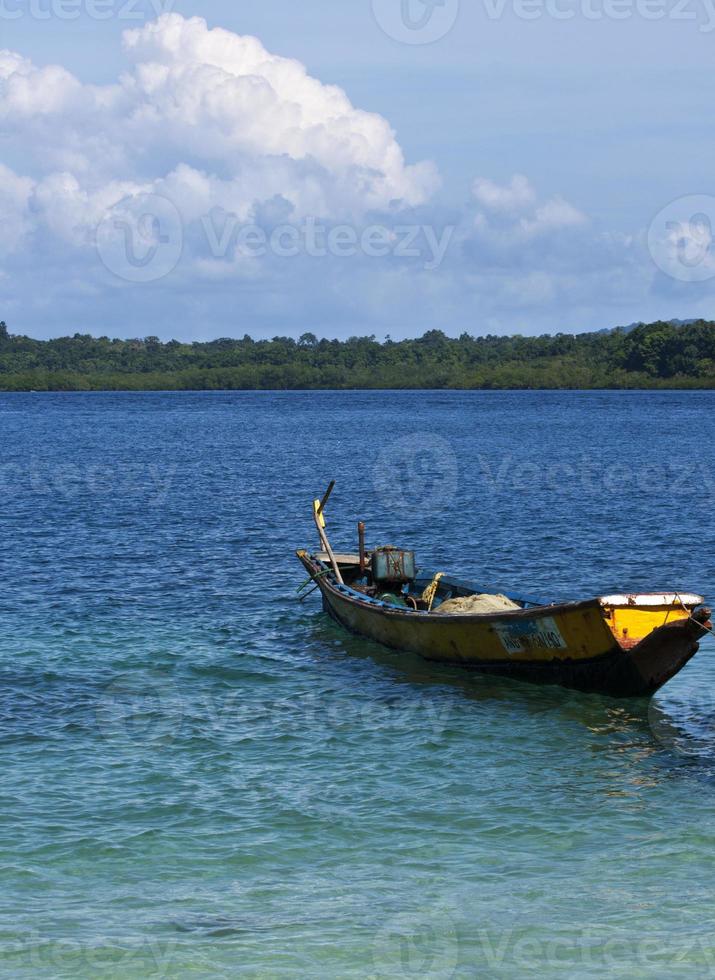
{"type": "Point", "coordinates": [306, 594]}
{"type": "Point", "coordinates": [431, 591]}
{"type": "Point", "coordinates": [702, 625]}
{"type": "Point", "coordinates": [313, 578]}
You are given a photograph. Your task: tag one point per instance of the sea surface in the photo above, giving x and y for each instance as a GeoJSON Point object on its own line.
{"type": "Point", "coordinates": [202, 776]}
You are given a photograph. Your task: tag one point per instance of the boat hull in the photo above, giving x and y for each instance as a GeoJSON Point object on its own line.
{"type": "Point", "coordinates": [569, 644]}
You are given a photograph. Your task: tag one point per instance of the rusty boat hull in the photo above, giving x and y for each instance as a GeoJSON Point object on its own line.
{"type": "Point", "coordinates": [620, 645]}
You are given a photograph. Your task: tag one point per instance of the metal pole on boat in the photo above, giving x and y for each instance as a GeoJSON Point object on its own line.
{"type": "Point", "coordinates": [361, 546]}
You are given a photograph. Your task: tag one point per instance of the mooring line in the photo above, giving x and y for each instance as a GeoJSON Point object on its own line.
{"type": "Point", "coordinates": [708, 629]}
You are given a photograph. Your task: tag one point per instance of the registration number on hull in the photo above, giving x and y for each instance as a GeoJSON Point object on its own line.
{"type": "Point", "coordinates": [537, 634]}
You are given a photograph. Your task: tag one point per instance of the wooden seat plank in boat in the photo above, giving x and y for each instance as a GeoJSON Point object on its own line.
{"type": "Point", "coordinates": [341, 559]}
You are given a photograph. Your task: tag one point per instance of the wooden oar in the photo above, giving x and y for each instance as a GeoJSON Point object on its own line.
{"type": "Point", "coordinates": [326, 497]}
{"type": "Point", "coordinates": [319, 518]}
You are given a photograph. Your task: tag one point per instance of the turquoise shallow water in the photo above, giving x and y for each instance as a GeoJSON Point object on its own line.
{"type": "Point", "coordinates": [202, 776]}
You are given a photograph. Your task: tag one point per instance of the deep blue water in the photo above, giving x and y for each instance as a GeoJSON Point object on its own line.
{"type": "Point", "coordinates": [202, 776]}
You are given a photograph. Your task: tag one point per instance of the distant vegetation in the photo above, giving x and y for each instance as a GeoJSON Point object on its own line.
{"type": "Point", "coordinates": [654, 355]}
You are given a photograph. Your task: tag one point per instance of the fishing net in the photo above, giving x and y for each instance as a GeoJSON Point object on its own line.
{"type": "Point", "coordinates": [480, 603]}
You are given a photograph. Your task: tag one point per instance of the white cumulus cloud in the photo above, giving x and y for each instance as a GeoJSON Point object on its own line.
{"type": "Point", "coordinates": [512, 212]}
{"type": "Point", "coordinates": [513, 196]}
{"type": "Point", "coordinates": [15, 193]}
{"type": "Point", "coordinates": [207, 112]}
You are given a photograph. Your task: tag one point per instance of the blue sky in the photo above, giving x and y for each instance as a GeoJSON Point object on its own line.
{"type": "Point", "coordinates": [540, 154]}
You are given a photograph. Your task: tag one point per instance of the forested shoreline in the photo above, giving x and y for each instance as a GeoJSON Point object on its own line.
{"type": "Point", "coordinates": [663, 354]}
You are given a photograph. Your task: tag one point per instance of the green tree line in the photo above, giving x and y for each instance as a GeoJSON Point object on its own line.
{"type": "Point", "coordinates": [654, 355]}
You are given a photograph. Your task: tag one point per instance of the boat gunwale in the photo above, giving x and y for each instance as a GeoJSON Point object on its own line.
{"type": "Point", "coordinates": [650, 600]}
{"type": "Point", "coordinates": [328, 583]}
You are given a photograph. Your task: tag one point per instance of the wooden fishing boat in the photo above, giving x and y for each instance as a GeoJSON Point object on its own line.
{"type": "Point", "coordinates": [621, 644]}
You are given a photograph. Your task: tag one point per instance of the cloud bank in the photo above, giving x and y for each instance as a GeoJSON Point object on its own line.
{"type": "Point", "coordinates": [207, 134]}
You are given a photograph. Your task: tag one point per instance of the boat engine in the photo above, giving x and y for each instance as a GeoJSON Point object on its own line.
{"type": "Point", "coordinates": [392, 566]}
